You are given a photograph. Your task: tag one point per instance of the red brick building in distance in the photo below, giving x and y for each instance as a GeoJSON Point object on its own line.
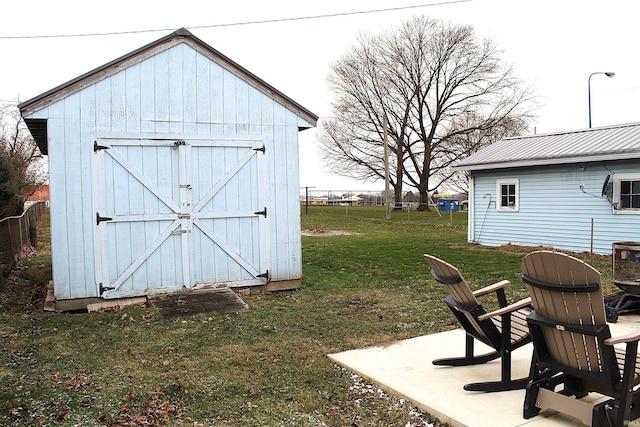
{"type": "Point", "coordinates": [40, 195]}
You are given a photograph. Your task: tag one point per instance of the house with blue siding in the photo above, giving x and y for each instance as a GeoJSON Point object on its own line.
{"type": "Point", "coordinates": [172, 168]}
{"type": "Point", "coordinates": [575, 190]}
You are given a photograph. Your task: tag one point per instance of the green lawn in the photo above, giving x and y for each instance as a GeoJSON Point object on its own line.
{"type": "Point", "coordinates": [266, 366]}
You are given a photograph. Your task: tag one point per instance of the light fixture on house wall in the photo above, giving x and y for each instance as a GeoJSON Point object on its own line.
{"type": "Point", "coordinates": [606, 73]}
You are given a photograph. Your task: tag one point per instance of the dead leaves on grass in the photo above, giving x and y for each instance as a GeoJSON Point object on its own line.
{"type": "Point", "coordinates": [157, 409]}
{"type": "Point", "coordinates": [79, 384]}
{"type": "Point", "coordinates": [75, 382]}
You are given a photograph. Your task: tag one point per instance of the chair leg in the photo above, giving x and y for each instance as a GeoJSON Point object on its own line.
{"type": "Point", "coordinates": [608, 412]}
{"type": "Point", "coordinates": [466, 361]}
{"type": "Point", "coordinates": [469, 358]}
{"type": "Point", "coordinates": [626, 388]}
{"type": "Point", "coordinates": [506, 383]}
{"type": "Point", "coordinates": [539, 380]}
{"type": "Point", "coordinates": [571, 386]}
{"type": "Point", "coordinates": [530, 409]}
{"type": "Point", "coordinates": [490, 386]}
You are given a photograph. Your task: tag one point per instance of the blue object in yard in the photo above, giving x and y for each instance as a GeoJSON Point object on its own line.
{"type": "Point", "coordinates": [446, 205]}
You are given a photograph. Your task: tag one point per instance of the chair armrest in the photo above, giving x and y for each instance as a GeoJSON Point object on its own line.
{"type": "Point", "coordinates": [630, 337]}
{"type": "Point", "coordinates": [492, 288]}
{"type": "Point", "coordinates": [508, 309]}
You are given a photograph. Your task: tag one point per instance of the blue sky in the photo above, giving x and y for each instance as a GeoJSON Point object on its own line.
{"type": "Point", "coordinates": [554, 44]}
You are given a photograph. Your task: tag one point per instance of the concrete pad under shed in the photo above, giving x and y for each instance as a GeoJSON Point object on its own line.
{"type": "Point", "coordinates": [196, 302]}
{"type": "Point", "coordinates": [405, 369]}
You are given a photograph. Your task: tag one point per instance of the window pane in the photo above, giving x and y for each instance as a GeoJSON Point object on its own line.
{"type": "Point", "coordinates": [635, 201]}
{"type": "Point", "coordinates": [625, 202]}
{"type": "Point", "coordinates": [625, 187]}
{"type": "Point", "coordinates": [508, 196]}
{"type": "Point", "coordinates": [635, 187]}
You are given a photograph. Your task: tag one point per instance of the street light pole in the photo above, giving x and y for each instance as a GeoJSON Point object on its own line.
{"type": "Point", "coordinates": [606, 73]}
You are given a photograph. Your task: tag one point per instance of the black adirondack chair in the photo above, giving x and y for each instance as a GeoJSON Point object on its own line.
{"type": "Point", "coordinates": [574, 352]}
{"type": "Point", "coordinates": [504, 329]}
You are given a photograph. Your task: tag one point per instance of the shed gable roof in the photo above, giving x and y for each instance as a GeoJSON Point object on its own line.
{"type": "Point", "coordinates": [179, 36]}
{"type": "Point", "coordinates": [588, 145]}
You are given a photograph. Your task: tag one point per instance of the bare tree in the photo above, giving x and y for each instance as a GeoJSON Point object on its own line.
{"type": "Point", "coordinates": [471, 142]}
{"type": "Point", "coordinates": [366, 89]}
{"type": "Point", "coordinates": [18, 147]}
{"type": "Point", "coordinates": [439, 87]}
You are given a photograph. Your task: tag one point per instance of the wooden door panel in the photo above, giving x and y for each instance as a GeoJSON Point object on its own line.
{"type": "Point", "coordinates": [178, 213]}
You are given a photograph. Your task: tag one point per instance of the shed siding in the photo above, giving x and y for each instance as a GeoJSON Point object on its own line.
{"type": "Point", "coordinates": [177, 91]}
{"type": "Point", "coordinates": [553, 210]}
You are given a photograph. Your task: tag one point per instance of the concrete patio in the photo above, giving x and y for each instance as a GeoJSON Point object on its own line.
{"type": "Point", "coordinates": [405, 369]}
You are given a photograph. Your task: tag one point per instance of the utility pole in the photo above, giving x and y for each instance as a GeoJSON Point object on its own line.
{"type": "Point", "coordinates": [306, 199]}
{"type": "Point", "coordinates": [386, 169]}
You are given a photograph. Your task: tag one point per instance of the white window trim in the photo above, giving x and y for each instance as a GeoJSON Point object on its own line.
{"type": "Point", "coordinates": [499, 184]}
{"type": "Point", "coordinates": [616, 193]}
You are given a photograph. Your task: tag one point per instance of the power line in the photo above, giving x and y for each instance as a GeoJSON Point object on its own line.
{"type": "Point", "coordinates": [612, 92]}
{"type": "Point", "coordinates": [236, 24]}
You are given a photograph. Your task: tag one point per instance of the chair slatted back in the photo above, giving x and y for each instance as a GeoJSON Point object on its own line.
{"type": "Point", "coordinates": [566, 289]}
{"type": "Point", "coordinates": [459, 289]}
{"type": "Point", "coordinates": [450, 277]}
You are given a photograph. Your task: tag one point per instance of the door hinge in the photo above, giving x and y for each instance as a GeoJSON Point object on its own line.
{"type": "Point", "coordinates": [97, 147]}
{"type": "Point", "coordinates": [99, 218]}
{"type": "Point", "coordinates": [262, 212]}
{"type": "Point", "coordinates": [104, 288]}
{"type": "Point", "coordinates": [264, 275]}
{"type": "Point", "coordinates": [263, 149]}
{"type": "Point", "coordinates": [178, 143]}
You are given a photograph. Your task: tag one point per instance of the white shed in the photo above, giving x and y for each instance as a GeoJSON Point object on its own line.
{"type": "Point", "coordinates": [171, 168]}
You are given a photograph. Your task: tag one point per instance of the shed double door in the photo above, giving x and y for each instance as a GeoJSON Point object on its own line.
{"type": "Point", "coordinates": [175, 213]}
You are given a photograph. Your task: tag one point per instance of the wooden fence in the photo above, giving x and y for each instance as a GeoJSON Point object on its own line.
{"type": "Point", "coordinates": [16, 232]}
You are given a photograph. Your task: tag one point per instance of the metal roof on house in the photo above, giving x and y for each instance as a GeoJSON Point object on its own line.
{"type": "Point", "coordinates": [588, 145]}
